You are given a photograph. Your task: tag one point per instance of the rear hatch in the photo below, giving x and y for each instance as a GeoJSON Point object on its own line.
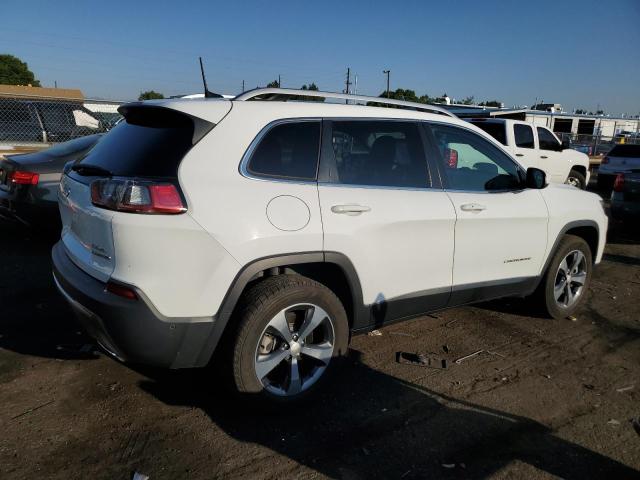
{"type": "Point", "coordinates": [623, 158]}
{"type": "Point", "coordinates": [140, 154]}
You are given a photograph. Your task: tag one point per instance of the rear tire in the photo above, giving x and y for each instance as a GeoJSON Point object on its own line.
{"type": "Point", "coordinates": [566, 282]}
{"type": "Point", "coordinates": [271, 359]}
{"type": "Point", "coordinates": [577, 179]}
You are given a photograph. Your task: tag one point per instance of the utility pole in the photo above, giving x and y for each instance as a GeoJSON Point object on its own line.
{"type": "Point", "coordinates": [347, 83]}
{"type": "Point", "coordinates": [55, 84]}
{"type": "Point", "coordinates": [242, 86]}
{"type": "Point", "coordinates": [279, 82]}
{"type": "Point", "coordinates": [387, 72]}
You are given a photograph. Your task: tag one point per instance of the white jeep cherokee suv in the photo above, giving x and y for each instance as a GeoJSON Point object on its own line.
{"type": "Point", "coordinates": [278, 228]}
{"type": "Point", "coordinates": [536, 146]}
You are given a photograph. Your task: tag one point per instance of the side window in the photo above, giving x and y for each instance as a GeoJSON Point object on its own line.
{"type": "Point", "coordinates": [547, 140]}
{"type": "Point", "coordinates": [472, 163]}
{"type": "Point", "coordinates": [523, 135]}
{"type": "Point", "coordinates": [378, 152]}
{"type": "Point", "coordinates": [289, 150]}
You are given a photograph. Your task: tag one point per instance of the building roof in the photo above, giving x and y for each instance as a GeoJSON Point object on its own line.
{"type": "Point", "coordinates": [22, 91]}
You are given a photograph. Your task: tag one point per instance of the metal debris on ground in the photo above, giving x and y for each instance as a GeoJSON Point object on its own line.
{"type": "Point", "coordinates": [572, 318]}
{"type": "Point", "coordinates": [375, 333]}
{"type": "Point", "coordinates": [420, 360]}
{"type": "Point", "coordinates": [625, 389]}
{"type": "Point", "coordinates": [613, 422]}
{"type": "Point", "coordinates": [449, 465]}
{"type": "Point", "coordinates": [33, 409]}
{"type": "Point", "coordinates": [140, 476]}
{"type": "Point", "coordinates": [466, 357]}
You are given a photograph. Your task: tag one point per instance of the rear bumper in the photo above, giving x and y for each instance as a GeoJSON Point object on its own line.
{"type": "Point", "coordinates": [622, 209]}
{"type": "Point", "coordinates": [42, 214]}
{"type": "Point", "coordinates": [130, 330]}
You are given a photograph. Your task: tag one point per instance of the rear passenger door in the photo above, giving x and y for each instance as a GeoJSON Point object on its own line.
{"type": "Point", "coordinates": [383, 210]}
{"type": "Point", "coordinates": [551, 160]}
{"type": "Point", "coordinates": [501, 227]}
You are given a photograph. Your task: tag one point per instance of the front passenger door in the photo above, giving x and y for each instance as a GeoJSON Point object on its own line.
{"type": "Point", "coordinates": [501, 227]}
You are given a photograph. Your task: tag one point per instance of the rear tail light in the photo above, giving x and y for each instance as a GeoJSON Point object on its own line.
{"type": "Point", "coordinates": [452, 158]}
{"type": "Point", "coordinates": [604, 161]}
{"type": "Point", "coordinates": [21, 177]}
{"type": "Point", "coordinates": [618, 184]}
{"type": "Point", "coordinates": [121, 291]}
{"type": "Point", "coordinates": [137, 196]}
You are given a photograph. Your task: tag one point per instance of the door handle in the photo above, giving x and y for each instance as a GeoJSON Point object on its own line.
{"type": "Point", "coordinates": [543, 156]}
{"type": "Point", "coordinates": [352, 209]}
{"type": "Point", "coordinates": [519, 154]}
{"type": "Point", "coordinates": [472, 207]}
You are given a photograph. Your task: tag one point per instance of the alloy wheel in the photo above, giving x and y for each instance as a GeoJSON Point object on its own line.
{"type": "Point", "coordinates": [294, 349]}
{"type": "Point", "coordinates": [570, 279]}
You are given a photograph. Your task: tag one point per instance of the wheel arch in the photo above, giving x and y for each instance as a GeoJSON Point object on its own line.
{"type": "Point", "coordinates": [588, 230]}
{"type": "Point", "coordinates": [332, 269]}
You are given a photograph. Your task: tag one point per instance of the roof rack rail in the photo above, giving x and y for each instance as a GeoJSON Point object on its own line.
{"type": "Point", "coordinates": [285, 94]}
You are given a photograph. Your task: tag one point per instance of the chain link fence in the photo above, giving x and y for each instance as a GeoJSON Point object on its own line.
{"type": "Point", "coordinates": [39, 122]}
{"type": "Point", "coordinates": [598, 145]}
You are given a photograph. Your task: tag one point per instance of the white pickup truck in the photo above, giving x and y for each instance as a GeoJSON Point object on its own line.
{"type": "Point", "coordinates": [536, 146]}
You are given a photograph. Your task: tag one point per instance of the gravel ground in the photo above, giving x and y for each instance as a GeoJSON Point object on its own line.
{"type": "Point", "coordinates": [543, 399]}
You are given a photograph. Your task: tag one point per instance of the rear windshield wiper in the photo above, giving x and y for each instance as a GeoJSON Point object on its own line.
{"type": "Point", "coordinates": [90, 170]}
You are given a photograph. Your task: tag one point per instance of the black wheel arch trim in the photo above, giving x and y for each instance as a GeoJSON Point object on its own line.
{"type": "Point", "coordinates": [359, 313]}
{"type": "Point", "coordinates": [562, 233]}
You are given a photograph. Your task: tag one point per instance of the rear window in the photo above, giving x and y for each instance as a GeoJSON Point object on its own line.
{"type": "Point", "coordinates": [496, 130]}
{"type": "Point", "coordinates": [151, 142]}
{"type": "Point", "coordinates": [627, 151]}
{"type": "Point", "coordinates": [288, 151]}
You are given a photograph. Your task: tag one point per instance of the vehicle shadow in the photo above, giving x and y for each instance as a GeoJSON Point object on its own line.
{"type": "Point", "coordinates": [34, 318]}
{"type": "Point", "coordinates": [372, 425]}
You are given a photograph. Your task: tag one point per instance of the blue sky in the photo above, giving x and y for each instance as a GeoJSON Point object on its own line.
{"type": "Point", "coordinates": [578, 53]}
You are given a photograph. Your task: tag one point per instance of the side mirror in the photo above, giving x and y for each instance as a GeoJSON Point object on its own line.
{"type": "Point", "coordinates": [536, 178]}
{"type": "Point", "coordinates": [566, 144]}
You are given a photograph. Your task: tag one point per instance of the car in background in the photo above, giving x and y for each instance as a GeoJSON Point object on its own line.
{"type": "Point", "coordinates": [625, 197]}
{"type": "Point", "coordinates": [29, 182]}
{"type": "Point", "coordinates": [622, 158]}
{"type": "Point", "coordinates": [538, 147]}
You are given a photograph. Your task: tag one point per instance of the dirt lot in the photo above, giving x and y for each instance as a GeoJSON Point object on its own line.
{"type": "Point", "coordinates": [553, 398]}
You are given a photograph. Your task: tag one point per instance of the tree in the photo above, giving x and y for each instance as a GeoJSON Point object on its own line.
{"type": "Point", "coordinates": [401, 94]}
{"type": "Point", "coordinates": [150, 95]}
{"type": "Point", "coordinates": [467, 100]}
{"type": "Point", "coordinates": [599, 112]}
{"type": "Point", "coordinates": [14, 71]}
{"type": "Point", "coordinates": [491, 103]}
{"type": "Point", "coordinates": [311, 87]}
{"type": "Point", "coordinates": [581, 111]}
{"type": "Point", "coordinates": [274, 84]}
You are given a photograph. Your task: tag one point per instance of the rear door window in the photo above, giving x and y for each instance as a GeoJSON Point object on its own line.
{"type": "Point", "coordinates": [288, 151]}
{"type": "Point", "coordinates": [523, 136]}
{"type": "Point", "coordinates": [378, 153]}
{"type": "Point", "coordinates": [496, 129]}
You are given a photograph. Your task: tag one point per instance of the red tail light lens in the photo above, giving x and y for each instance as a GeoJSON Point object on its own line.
{"type": "Point", "coordinates": [618, 184]}
{"type": "Point", "coordinates": [604, 161]}
{"type": "Point", "coordinates": [137, 196]}
{"type": "Point", "coordinates": [452, 158]}
{"type": "Point", "coordinates": [121, 291]}
{"type": "Point", "coordinates": [20, 177]}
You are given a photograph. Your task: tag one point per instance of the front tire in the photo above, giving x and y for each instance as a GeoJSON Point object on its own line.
{"type": "Point", "coordinates": [577, 179]}
{"type": "Point", "coordinates": [566, 281]}
{"type": "Point", "coordinates": [292, 333]}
